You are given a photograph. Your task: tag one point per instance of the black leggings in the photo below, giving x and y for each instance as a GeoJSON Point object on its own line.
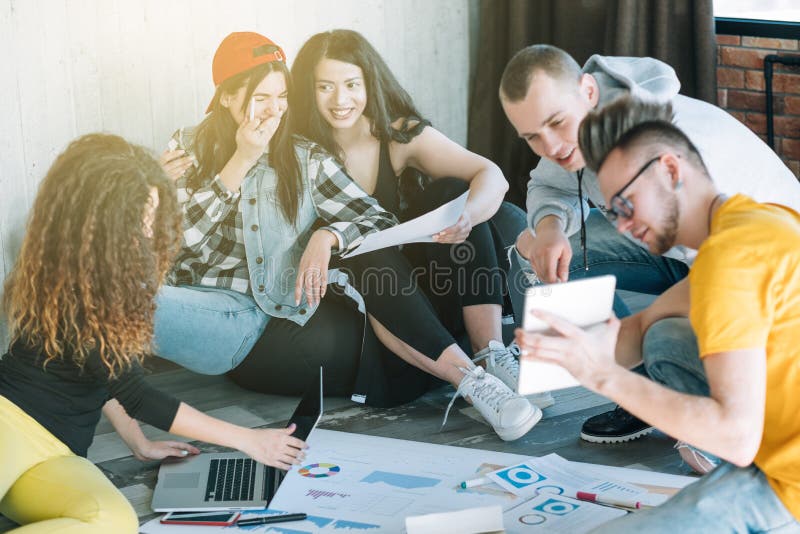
{"type": "Point", "coordinates": [284, 359]}
{"type": "Point", "coordinates": [287, 355]}
{"type": "Point", "coordinates": [385, 280]}
{"type": "Point", "coordinates": [339, 338]}
{"type": "Point", "coordinates": [460, 275]}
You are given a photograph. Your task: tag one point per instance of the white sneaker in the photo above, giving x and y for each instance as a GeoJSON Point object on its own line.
{"type": "Point", "coordinates": [503, 362]}
{"type": "Point", "coordinates": [511, 415]}
{"type": "Point", "coordinates": [696, 459]}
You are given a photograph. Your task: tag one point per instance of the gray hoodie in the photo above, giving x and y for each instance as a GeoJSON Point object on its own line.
{"type": "Point", "coordinates": [737, 160]}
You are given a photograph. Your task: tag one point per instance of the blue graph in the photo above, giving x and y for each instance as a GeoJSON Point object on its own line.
{"type": "Point", "coordinates": [281, 530]}
{"type": "Point", "coordinates": [318, 520]}
{"type": "Point", "coordinates": [520, 476]}
{"type": "Point", "coordinates": [353, 525]}
{"type": "Point", "coordinates": [400, 480]}
{"type": "Point", "coordinates": [556, 507]}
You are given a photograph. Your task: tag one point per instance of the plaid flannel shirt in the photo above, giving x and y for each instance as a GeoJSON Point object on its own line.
{"type": "Point", "coordinates": [213, 250]}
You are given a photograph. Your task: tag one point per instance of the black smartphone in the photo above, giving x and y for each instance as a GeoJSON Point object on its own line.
{"type": "Point", "coordinates": [309, 411]}
{"type": "Point", "coordinates": [210, 518]}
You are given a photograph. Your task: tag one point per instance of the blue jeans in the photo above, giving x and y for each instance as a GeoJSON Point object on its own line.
{"type": "Point", "coordinates": [610, 252]}
{"type": "Point", "coordinates": [671, 357]}
{"type": "Point", "coordinates": [728, 499]}
{"type": "Point", "coordinates": [507, 224]}
{"type": "Point", "coordinates": [207, 330]}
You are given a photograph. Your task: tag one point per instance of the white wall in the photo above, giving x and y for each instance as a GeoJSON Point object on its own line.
{"type": "Point", "coordinates": [142, 68]}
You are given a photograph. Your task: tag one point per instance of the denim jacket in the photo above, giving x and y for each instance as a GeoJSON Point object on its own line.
{"type": "Point", "coordinates": [274, 246]}
{"type": "Point", "coordinates": [217, 221]}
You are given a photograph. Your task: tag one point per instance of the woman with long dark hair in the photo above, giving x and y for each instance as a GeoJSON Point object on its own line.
{"type": "Point", "coordinates": [266, 217]}
{"type": "Point", "coordinates": [347, 100]}
{"type": "Point", "coordinates": [80, 303]}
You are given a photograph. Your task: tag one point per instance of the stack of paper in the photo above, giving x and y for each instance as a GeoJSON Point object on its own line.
{"type": "Point", "coordinates": [557, 494]}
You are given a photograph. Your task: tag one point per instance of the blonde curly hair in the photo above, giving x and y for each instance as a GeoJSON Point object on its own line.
{"type": "Point", "coordinates": [89, 267]}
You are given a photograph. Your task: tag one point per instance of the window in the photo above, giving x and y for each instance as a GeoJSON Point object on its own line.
{"type": "Point", "coordinates": [758, 18]}
{"type": "Point", "coordinates": [771, 10]}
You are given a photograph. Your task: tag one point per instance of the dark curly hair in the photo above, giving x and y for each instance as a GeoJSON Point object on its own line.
{"type": "Point", "coordinates": [89, 267]}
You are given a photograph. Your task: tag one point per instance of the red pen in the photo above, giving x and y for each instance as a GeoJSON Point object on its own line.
{"type": "Point", "coordinates": [611, 501]}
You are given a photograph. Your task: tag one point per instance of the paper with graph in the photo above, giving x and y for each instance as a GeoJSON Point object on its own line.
{"type": "Point", "coordinates": [554, 474]}
{"type": "Point", "coordinates": [370, 483]}
{"type": "Point", "coordinates": [354, 482]}
{"type": "Point", "coordinates": [556, 513]}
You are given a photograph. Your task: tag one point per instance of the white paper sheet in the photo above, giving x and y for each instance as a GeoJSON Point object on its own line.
{"type": "Point", "coordinates": [556, 513]}
{"type": "Point", "coordinates": [554, 474]}
{"type": "Point", "coordinates": [469, 521]}
{"type": "Point", "coordinates": [381, 481]}
{"type": "Point", "coordinates": [417, 230]}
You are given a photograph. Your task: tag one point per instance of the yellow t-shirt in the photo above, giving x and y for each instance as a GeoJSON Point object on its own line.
{"type": "Point", "coordinates": [745, 294]}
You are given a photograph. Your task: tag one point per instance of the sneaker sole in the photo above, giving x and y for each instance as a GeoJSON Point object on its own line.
{"type": "Point", "coordinates": [616, 439]}
{"type": "Point", "coordinates": [517, 432]}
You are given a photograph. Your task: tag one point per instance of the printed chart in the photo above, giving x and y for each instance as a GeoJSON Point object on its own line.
{"type": "Point", "coordinates": [556, 513]}
{"type": "Point", "coordinates": [381, 481]}
{"type": "Point", "coordinates": [354, 483]}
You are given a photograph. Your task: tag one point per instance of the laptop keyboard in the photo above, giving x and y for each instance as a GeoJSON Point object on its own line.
{"type": "Point", "coordinates": [231, 479]}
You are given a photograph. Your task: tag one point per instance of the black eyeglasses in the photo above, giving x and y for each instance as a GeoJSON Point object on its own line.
{"type": "Point", "coordinates": [620, 206]}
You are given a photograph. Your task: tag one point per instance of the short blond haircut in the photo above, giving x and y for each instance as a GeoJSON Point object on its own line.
{"type": "Point", "coordinates": [553, 61]}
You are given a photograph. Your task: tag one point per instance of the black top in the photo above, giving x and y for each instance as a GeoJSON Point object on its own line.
{"type": "Point", "coordinates": [394, 192]}
{"type": "Point", "coordinates": [386, 187]}
{"type": "Point", "coordinates": [67, 400]}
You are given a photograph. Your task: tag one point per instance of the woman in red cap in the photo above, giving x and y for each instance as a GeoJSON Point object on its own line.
{"type": "Point", "coordinates": [347, 100]}
{"type": "Point", "coordinates": [266, 216]}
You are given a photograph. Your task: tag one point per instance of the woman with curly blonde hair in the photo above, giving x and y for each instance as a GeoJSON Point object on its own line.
{"type": "Point", "coordinates": [80, 303]}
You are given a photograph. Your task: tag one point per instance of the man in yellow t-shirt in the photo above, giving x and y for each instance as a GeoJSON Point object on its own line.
{"type": "Point", "coordinates": [739, 399]}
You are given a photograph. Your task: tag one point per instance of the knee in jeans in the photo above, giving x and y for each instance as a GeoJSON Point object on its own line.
{"type": "Point", "coordinates": [667, 341]}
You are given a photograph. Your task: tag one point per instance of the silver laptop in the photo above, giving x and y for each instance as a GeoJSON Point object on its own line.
{"type": "Point", "coordinates": [230, 481]}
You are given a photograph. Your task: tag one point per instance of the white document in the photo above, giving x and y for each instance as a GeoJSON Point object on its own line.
{"type": "Point", "coordinates": [554, 474]}
{"type": "Point", "coordinates": [585, 303]}
{"type": "Point", "coordinates": [659, 486]}
{"type": "Point", "coordinates": [382, 481]}
{"type": "Point", "coordinates": [557, 513]}
{"type": "Point", "coordinates": [417, 230]}
{"type": "Point", "coordinates": [354, 482]}
{"type": "Point", "coordinates": [469, 521]}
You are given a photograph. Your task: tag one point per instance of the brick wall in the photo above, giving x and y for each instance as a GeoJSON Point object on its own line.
{"type": "Point", "coordinates": [740, 84]}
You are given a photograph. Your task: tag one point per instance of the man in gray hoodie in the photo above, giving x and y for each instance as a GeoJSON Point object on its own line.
{"type": "Point", "coordinates": [545, 95]}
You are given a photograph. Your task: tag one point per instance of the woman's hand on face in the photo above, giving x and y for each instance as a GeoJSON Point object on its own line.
{"type": "Point", "coordinates": [312, 273]}
{"type": "Point", "coordinates": [253, 136]}
{"type": "Point", "coordinates": [147, 450]}
{"type": "Point", "coordinates": [588, 356]}
{"type": "Point", "coordinates": [456, 233]}
{"type": "Point", "coordinates": [175, 163]}
{"type": "Point", "coordinates": [275, 447]}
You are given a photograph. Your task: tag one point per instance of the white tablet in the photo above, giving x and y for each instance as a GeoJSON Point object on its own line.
{"type": "Point", "coordinates": [585, 303]}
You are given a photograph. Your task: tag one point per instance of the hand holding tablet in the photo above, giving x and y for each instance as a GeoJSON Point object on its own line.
{"type": "Point", "coordinates": [585, 303]}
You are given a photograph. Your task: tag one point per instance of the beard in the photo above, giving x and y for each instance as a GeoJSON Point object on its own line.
{"type": "Point", "coordinates": [665, 239]}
